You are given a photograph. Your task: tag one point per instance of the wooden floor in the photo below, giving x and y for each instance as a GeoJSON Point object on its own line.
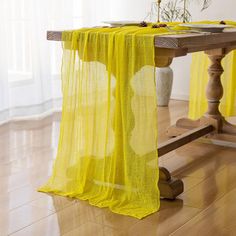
{"type": "Point", "coordinates": [207, 206]}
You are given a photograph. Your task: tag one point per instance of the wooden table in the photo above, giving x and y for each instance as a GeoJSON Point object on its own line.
{"type": "Point", "coordinates": [212, 124]}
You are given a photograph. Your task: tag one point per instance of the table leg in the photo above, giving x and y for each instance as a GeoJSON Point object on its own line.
{"type": "Point", "coordinates": [214, 93]}
{"type": "Point", "coordinates": [169, 187]}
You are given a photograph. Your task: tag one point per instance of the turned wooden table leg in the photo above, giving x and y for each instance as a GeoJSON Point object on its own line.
{"type": "Point", "coordinates": [214, 91]}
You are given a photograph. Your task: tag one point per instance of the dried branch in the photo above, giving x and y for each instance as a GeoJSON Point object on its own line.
{"type": "Point", "coordinates": [206, 4]}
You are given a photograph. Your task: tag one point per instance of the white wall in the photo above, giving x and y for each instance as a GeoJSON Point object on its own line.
{"type": "Point", "coordinates": [138, 9]}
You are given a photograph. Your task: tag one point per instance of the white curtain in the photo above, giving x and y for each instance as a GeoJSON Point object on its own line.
{"type": "Point", "coordinates": [29, 64]}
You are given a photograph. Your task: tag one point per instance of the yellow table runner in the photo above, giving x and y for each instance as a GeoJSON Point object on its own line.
{"type": "Point", "coordinates": [107, 151]}
{"type": "Point", "coordinates": [199, 80]}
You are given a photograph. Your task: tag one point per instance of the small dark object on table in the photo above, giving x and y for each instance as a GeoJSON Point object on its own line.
{"type": "Point", "coordinates": [143, 24]}
{"type": "Point", "coordinates": [155, 26]}
{"type": "Point", "coordinates": [159, 25]}
{"type": "Point", "coordinates": [222, 23]}
{"type": "Point", "coordinates": [162, 25]}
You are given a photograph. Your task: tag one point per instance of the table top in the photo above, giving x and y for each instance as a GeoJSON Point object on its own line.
{"type": "Point", "coordinates": [183, 43]}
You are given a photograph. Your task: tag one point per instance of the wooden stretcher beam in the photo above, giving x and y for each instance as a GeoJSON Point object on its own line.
{"type": "Point", "coordinates": [183, 139]}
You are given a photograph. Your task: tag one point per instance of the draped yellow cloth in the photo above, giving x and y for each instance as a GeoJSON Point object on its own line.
{"type": "Point", "coordinates": [107, 152]}
{"type": "Point", "coordinates": [199, 80]}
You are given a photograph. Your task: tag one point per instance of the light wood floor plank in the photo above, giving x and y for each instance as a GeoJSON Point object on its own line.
{"type": "Point", "coordinates": [218, 219]}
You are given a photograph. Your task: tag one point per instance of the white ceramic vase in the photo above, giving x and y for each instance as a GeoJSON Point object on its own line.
{"type": "Point", "coordinates": [164, 81]}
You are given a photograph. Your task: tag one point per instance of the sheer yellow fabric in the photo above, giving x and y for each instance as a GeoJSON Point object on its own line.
{"type": "Point", "coordinates": [107, 151]}
{"type": "Point", "coordinates": [199, 80]}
